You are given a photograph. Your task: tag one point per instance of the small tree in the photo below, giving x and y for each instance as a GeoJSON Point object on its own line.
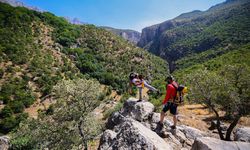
{"type": "Point", "coordinates": [70, 124]}
{"type": "Point", "coordinates": [76, 100]}
{"type": "Point", "coordinates": [227, 90]}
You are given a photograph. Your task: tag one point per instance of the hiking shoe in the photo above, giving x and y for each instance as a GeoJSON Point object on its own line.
{"type": "Point", "coordinates": [139, 100]}
{"type": "Point", "coordinates": [160, 125]}
{"type": "Point", "coordinates": [173, 127]}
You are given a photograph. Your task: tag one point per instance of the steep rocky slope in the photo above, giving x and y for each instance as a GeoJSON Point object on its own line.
{"type": "Point", "coordinates": [220, 29]}
{"type": "Point", "coordinates": [130, 35]}
{"type": "Point", "coordinates": [134, 127]}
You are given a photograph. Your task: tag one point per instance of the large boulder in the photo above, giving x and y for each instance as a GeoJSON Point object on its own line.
{"type": "Point", "coordinates": [208, 143]}
{"type": "Point", "coordinates": [132, 135]}
{"type": "Point", "coordinates": [107, 139]}
{"type": "Point", "coordinates": [136, 127]}
{"type": "Point", "coordinates": [115, 119]}
{"type": "Point", "coordinates": [191, 133]}
{"type": "Point", "coordinates": [242, 134]}
{"type": "Point", "coordinates": [139, 111]}
{"type": "Point", "coordinates": [4, 142]}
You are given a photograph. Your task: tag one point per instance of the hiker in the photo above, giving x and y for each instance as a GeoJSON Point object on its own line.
{"type": "Point", "coordinates": [140, 83]}
{"type": "Point", "coordinates": [168, 102]}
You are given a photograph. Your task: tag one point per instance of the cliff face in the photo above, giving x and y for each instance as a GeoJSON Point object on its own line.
{"type": "Point", "coordinates": [130, 35]}
{"type": "Point", "coordinates": [152, 36]}
{"type": "Point", "coordinates": [199, 31]}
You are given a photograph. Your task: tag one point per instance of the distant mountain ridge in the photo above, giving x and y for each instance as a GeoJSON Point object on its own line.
{"type": "Point", "coordinates": [16, 3]}
{"type": "Point", "coordinates": [130, 35]}
{"type": "Point", "coordinates": [75, 21]}
{"type": "Point", "coordinates": [199, 31]}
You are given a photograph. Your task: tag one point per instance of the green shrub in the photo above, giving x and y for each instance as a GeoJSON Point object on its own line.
{"type": "Point", "coordinates": [101, 96]}
{"type": "Point", "coordinates": [17, 106]}
{"type": "Point", "coordinates": [21, 117]}
{"type": "Point", "coordinates": [22, 143]}
{"type": "Point", "coordinates": [109, 91]}
{"type": "Point", "coordinates": [109, 112]}
{"type": "Point", "coordinates": [6, 112]}
{"type": "Point", "coordinates": [8, 124]}
{"type": "Point", "coordinates": [5, 99]}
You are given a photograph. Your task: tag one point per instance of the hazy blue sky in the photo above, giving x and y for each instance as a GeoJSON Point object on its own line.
{"type": "Point", "coordinates": [124, 14]}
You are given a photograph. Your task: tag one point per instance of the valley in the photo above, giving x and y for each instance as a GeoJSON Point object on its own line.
{"type": "Point", "coordinates": [65, 86]}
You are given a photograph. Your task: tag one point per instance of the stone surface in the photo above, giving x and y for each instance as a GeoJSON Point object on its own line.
{"type": "Point", "coordinates": [4, 142]}
{"type": "Point", "coordinates": [242, 134]}
{"type": "Point", "coordinates": [115, 119]}
{"type": "Point", "coordinates": [136, 127]}
{"type": "Point", "coordinates": [191, 133]}
{"type": "Point", "coordinates": [130, 35]}
{"type": "Point", "coordinates": [139, 111]}
{"type": "Point", "coordinates": [107, 138]}
{"type": "Point", "coordinates": [208, 143]}
{"type": "Point", "coordinates": [133, 135]}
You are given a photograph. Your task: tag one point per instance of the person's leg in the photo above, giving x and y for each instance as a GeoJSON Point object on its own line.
{"type": "Point", "coordinates": [164, 110]}
{"type": "Point", "coordinates": [162, 116]}
{"type": "Point", "coordinates": [140, 93]}
{"type": "Point", "coordinates": [175, 120]}
{"type": "Point", "coordinates": [173, 111]}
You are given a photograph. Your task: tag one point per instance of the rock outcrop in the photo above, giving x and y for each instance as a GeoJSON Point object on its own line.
{"type": "Point", "coordinates": [242, 134]}
{"type": "Point", "coordinates": [131, 134]}
{"type": "Point", "coordinates": [208, 143]}
{"type": "Point", "coordinates": [4, 142]}
{"type": "Point", "coordinates": [138, 111]}
{"type": "Point", "coordinates": [187, 34]}
{"type": "Point", "coordinates": [135, 126]}
{"type": "Point", "coordinates": [130, 35]}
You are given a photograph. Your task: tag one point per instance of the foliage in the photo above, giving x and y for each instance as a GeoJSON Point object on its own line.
{"type": "Point", "coordinates": [99, 48]}
{"type": "Point", "coordinates": [109, 112]}
{"type": "Point", "coordinates": [226, 90]}
{"type": "Point", "coordinates": [70, 125]}
{"type": "Point", "coordinates": [6, 112]}
{"type": "Point", "coordinates": [213, 32]}
{"type": "Point", "coordinates": [238, 55]}
{"type": "Point", "coordinates": [38, 50]}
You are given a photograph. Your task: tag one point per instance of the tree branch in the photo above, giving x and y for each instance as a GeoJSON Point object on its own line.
{"type": "Point", "coordinates": [218, 122]}
{"type": "Point", "coordinates": [231, 127]}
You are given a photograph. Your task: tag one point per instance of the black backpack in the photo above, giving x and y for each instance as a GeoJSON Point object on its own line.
{"type": "Point", "coordinates": [179, 96]}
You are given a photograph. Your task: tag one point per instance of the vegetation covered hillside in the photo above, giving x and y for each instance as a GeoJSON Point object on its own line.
{"type": "Point", "coordinates": [209, 53]}
{"type": "Point", "coordinates": [37, 50]}
{"type": "Point", "coordinates": [199, 36]}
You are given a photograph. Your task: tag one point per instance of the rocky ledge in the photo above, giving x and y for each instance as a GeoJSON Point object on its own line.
{"type": "Point", "coordinates": [134, 127]}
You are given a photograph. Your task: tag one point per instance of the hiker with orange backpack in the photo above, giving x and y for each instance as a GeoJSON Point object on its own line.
{"type": "Point", "coordinates": [174, 96]}
{"type": "Point", "coordinates": [140, 83]}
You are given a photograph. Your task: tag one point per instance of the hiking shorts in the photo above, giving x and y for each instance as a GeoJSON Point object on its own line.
{"type": "Point", "coordinates": [171, 106]}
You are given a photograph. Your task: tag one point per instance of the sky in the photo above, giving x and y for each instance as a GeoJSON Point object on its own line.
{"type": "Point", "coordinates": [121, 14]}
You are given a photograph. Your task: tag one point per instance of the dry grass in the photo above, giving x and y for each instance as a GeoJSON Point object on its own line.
{"type": "Point", "coordinates": [200, 117]}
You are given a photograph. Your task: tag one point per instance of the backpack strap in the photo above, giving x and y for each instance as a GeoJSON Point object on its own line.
{"type": "Point", "coordinates": [175, 91]}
